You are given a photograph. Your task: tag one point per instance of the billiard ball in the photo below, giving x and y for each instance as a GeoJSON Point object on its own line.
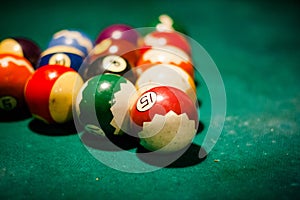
{"type": "Point", "coordinates": [23, 47]}
{"type": "Point", "coordinates": [119, 31]}
{"type": "Point", "coordinates": [110, 55]}
{"type": "Point", "coordinates": [160, 39]}
{"type": "Point", "coordinates": [166, 119]}
{"type": "Point", "coordinates": [165, 55]}
{"type": "Point", "coordinates": [72, 38]}
{"type": "Point", "coordinates": [167, 75]}
{"type": "Point", "coordinates": [49, 93]}
{"type": "Point", "coordinates": [66, 59]}
{"type": "Point", "coordinates": [14, 73]}
{"type": "Point", "coordinates": [107, 64]}
{"type": "Point", "coordinates": [165, 22]}
{"type": "Point", "coordinates": [116, 47]}
{"type": "Point", "coordinates": [102, 105]}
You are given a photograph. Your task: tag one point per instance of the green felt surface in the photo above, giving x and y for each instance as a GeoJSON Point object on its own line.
{"type": "Point", "coordinates": [255, 45]}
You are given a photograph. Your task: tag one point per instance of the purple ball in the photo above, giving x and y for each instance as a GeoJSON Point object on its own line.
{"type": "Point", "coordinates": [119, 31]}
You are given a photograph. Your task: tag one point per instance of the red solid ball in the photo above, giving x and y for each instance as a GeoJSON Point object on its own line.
{"type": "Point", "coordinates": [14, 73]}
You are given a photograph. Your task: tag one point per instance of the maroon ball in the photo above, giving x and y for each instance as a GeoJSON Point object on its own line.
{"type": "Point", "coordinates": [23, 47]}
{"type": "Point", "coordinates": [31, 50]}
{"type": "Point", "coordinates": [119, 31]}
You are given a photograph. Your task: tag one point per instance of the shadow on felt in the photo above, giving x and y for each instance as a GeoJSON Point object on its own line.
{"type": "Point", "coordinates": [14, 116]}
{"type": "Point", "coordinates": [189, 156]}
{"type": "Point", "coordinates": [192, 155]}
{"type": "Point", "coordinates": [200, 128]}
{"type": "Point", "coordinates": [112, 143]}
{"type": "Point", "coordinates": [42, 128]}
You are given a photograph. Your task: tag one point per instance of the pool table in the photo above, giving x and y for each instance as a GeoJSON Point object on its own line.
{"type": "Point", "coordinates": [255, 46]}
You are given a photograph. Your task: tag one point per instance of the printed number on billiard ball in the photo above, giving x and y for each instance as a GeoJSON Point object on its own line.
{"type": "Point", "coordinates": [146, 101]}
{"type": "Point", "coordinates": [113, 64]}
{"type": "Point", "coordinates": [8, 103]}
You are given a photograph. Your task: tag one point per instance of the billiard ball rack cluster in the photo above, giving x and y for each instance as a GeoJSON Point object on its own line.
{"type": "Point", "coordinates": [123, 83]}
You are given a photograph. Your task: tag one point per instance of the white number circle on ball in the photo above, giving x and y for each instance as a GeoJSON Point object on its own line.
{"type": "Point", "coordinates": [60, 59]}
{"type": "Point", "coordinates": [114, 63]}
{"type": "Point", "coordinates": [146, 101]}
